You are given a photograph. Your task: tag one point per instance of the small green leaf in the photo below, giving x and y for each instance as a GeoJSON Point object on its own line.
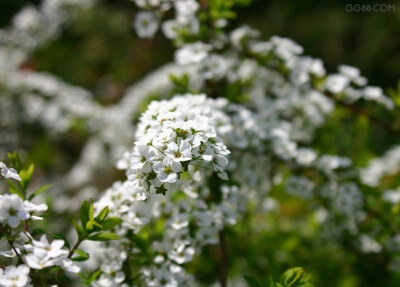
{"type": "Point", "coordinates": [15, 161]}
{"type": "Point", "coordinates": [82, 255]}
{"type": "Point", "coordinates": [110, 222]}
{"type": "Point", "coordinates": [104, 236]}
{"type": "Point", "coordinates": [85, 213]}
{"type": "Point", "coordinates": [93, 225]}
{"type": "Point", "coordinates": [91, 210]}
{"type": "Point", "coordinates": [39, 191]}
{"type": "Point", "coordinates": [37, 231]}
{"type": "Point", "coordinates": [102, 215]}
{"type": "Point", "coordinates": [26, 176]}
{"type": "Point", "coordinates": [78, 228]}
{"type": "Point", "coordinates": [13, 188]}
{"type": "Point", "coordinates": [296, 277]}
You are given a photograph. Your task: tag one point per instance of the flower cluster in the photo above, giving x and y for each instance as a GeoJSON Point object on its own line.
{"type": "Point", "coordinates": [15, 276]}
{"type": "Point", "coordinates": [173, 135]}
{"type": "Point", "coordinates": [13, 210]}
{"type": "Point", "coordinates": [42, 254]}
{"type": "Point", "coordinates": [16, 215]}
{"type": "Point", "coordinates": [184, 23]}
{"type": "Point", "coordinates": [378, 168]}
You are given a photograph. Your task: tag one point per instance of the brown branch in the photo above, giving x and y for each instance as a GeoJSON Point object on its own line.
{"type": "Point", "coordinates": [71, 252]}
{"type": "Point", "coordinates": [223, 269]}
{"type": "Point", "coordinates": [375, 120]}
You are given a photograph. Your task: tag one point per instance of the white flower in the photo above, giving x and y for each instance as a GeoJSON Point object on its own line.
{"type": "Point", "coordinates": [38, 260]}
{"type": "Point", "coordinates": [146, 24]}
{"type": "Point", "coordinates": [373, 93]}
{"type": "Point", "coordinates": [336, 83]}
{"type": "Point", "coordinates": [142, 158]}
{"type": "Point", "coordinates": [192, 53]}
{"type": "Point", "coordinates": [10, 253]}
{"type": "Point", "coordinates": [369, 244]}
{"type": "Point", "coordinates": [68, 265]}
{"type": "Point", "coordinates": [215, 67]}
{"type": "Point", "coordinates": [34, 209]}
{"type": "Point", "coordinates": [43, 255]}
{"type": "Point", "coordinates": [15, 276]}
{"type": "Point", "coordinates": [181, 153]}
{"type": "Point", "coordinates": [181, 254]}
{"type": "Point", "coordinates": [12, 210]}
{"type": "Point", "coordinates": [204, 151]}
{"type": "Point", "coordinates": [28, 18]}
{"type": "Point", "coordinates": [9, 172]}
{"type": "Point", "coordinates": [179, 221]}
{"type": "Point", "coordinates": [186, 8]}
{"type": "Point", "coordinates": [349, 71]}
{"type": "Point", "coordinates": [164, 278]}
{"type": "Point", "coordinates": [170, 29]}
{"type": "Point", "coordinates": [167, 170]}
{"type": "Point", "coordinates": [53, 250]}
{"type": "Point", "coordinates": [219, 163]}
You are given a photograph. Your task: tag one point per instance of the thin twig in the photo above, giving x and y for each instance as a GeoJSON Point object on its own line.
{"type": "Point", "coordinates": [223, 269]}
{"type": "Point", "coordinates": [359, 111]}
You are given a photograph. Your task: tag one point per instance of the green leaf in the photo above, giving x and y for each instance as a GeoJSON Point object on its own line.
{"type": "Point", "coordinates": [252, 281]}
{"type": "Point", "coordinates": [93, 225]}
{"type": "Point", "coordinates": [181, 83]}
{"type": "Point", "coordinates": [296, 277]}
{"type": "Point", "coordinates": [91, 210]}
{"type": "Point", "coordinates": [13, 188]}
{"type": "Point", "coordinates": [110, 222]}
{"type": "Point", "coordinates": [39, 191]}
{"type": "Point", "coordinates": [85, 213]}
{"type": "Point", "coordinates": [90, 277]}
{"type": "Point", "coordinates": [78, 228]}
{"type": "Point", "coordinates": [102, 215]}
{"type": "Point", "coordinates": [104, 236]}
{"type": "Point", "coordinates": [62, 237]}
{"type": "Point", "coordinates": [82, 255]}
{"type": "Point", "coordinates": [26, 176]}
{"type": "Point", "coordinates": [15, 161]}
{"type": "Point", "coordinates": [37, 231]}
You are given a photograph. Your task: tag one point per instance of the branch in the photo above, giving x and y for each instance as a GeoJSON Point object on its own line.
{"type": "Point", "coordinates": [375, 120]}
{"type": "Point", "coordinates": [223, 270]}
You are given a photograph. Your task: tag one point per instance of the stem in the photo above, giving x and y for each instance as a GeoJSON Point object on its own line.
{"type": "Point", "coordinates": [2, 229]}
{"type": "Point", "coordinates": [21, 261]}
{"type": "Point", "coordinates": [362, 112]}
{"type": "Point", "coordinates": [71, 252]}
{"type": "Point", "coordinates": [223, 270]}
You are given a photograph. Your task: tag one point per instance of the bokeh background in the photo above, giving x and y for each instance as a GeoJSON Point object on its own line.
{"type": "Point", "coordinates": [101, 52]}
{"type": "Point", "coordinates": [102, 49]}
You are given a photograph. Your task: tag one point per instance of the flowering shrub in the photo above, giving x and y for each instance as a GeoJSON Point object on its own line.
{"type": "Point", "coordinates": [209, 144]}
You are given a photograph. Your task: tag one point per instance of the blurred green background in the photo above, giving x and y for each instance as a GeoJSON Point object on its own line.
{"type": "Point", "coordinates": [102, 49]}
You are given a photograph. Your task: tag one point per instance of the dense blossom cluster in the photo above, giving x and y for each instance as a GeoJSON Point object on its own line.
{"type": "Point", "coordinates": [184, 22]}
{"type": "Point", "coordinates": [173, 135]}
{"type": "Point", "coordinates": [190, 144]}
